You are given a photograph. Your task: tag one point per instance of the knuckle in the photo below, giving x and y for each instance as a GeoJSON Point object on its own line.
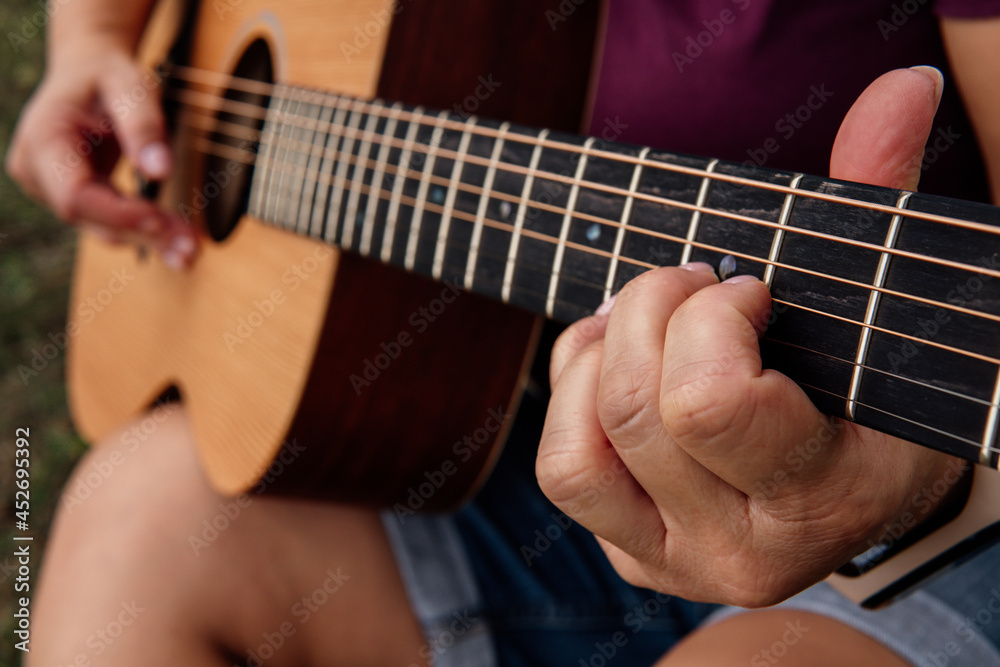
{"type": "Point", "coordinates": [705, 409]}
{"type": "Point", "coordinates": [562, 475]}
{"type": "Point", "coordinates": [625, 397]}
{"type": "Point", "coordinates": [573, 339]}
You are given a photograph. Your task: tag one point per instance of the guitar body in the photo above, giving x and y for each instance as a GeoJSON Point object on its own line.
{"type": "Point", "coordinates": [306, 370]}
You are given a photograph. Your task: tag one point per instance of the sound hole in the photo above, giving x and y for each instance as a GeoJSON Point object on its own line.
{"type": "Point", "coordinates": [225, 189]}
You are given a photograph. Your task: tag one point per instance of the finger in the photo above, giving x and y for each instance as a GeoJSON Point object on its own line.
{"type": "Point", "coordinates": [581, 473]}
{"type": "Point", "coordinates": [744, 423]}
{"type": "Point", "coordinates": [576, 337]}
{"type": "Point", "coordinates": [132, 98]}
{"type": "Point", "coordinates": [882, 138]}
{"type": "Point", "coordinates": [634, 349]}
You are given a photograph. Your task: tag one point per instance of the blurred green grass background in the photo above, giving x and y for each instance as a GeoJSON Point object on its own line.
{"type": "Point", "coordinates": [36, 260]}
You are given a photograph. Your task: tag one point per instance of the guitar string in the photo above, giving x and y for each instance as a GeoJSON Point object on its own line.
{"type": "Point", "coordinates": [961, 439]}
{"type": "Point", "coordinates": [845, 361]}
{"type": "Point", "coordinates": [566, 180]}
{"type": "Point", "coordinates": [305, 171]}
{"type": "Point", "coordinates": [880, 371]}
{"type": "Point", "coordinates": [975, 449]}
{"type": "Point", "coordinates": [218, 150]}
{"type": "Point", "coordinates": [205, 123]}
{"type": "Point", "coordinates": [199, 76]}
{"type": "Point", "coordinates": [326, 179]}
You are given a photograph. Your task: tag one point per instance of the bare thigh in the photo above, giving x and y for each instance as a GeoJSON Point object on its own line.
{"type": "Point", "coordinates": [148, 565]}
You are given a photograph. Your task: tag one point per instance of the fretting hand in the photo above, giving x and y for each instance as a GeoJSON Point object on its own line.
{"type": "Point", "coordinates": [666, 438]}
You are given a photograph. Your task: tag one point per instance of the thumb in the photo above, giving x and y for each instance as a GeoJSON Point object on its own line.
{"type": "Point", "coordinates": [132, 97]}
{"type": "Point", "coordinates": [882, 138]}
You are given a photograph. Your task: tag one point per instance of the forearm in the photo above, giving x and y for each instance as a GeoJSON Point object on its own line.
{"type": "Point", "coordinates": [82, 28]}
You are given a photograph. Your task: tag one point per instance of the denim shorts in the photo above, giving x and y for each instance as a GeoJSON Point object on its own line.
{"type": "Point", "coordinates": [510, 581]}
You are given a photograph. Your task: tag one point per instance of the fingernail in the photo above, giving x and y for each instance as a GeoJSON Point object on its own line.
{"type": "Point", "coordinates": [736, 280]}
{"type": "Point", "coordinates": [605, 307]}
{"type": "Point", "coordinates": [696, 266]}
{"type": "Point", "coordinates": [154, 160]}
{"type": "Point", "coordinates": [182, 246]}
{"type": "Point", "coordinates": [173, 260]}
{"type": "Point", "coordinates": [935, 74]}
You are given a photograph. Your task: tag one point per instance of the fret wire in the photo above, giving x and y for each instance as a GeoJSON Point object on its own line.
{"type": "Point", "coordinates": [263, 153]}
{"type": "Point", "coordinates": [953, 436]}
{"type": "Point", "coordinates": [772, 225]}
{"type": "Point", "coordinates": [989, 434]}
{"type": "Point", "coordinates": [458, 269]}
{"type": "Point", "coordinates": [418, 210]}
{"type": "Point", "coordinates": [327, 159]}
{"type": "Point", "coordinates": [284, 197]}
{"type": "Point", "coordinates": [377, 175]}
{"type": "Point", "coordinates": [880, 371]}
{"type": "Point", "coordinates": [897, 334]}
{"type": "Point", "coordinates": [603, 253]}
{"type": "Point", "coordinates": [268, 194]}
{"type": "Point", "coordinates": [942, 432]}
{"type": "Point", "coordinates": [696, 216]}
{"type": "Point", "coordinates": [950, 435]}
{"type": "Point", "coordinates": [484, 202]}
{"type": "Point", "coordinates": [295, 183]}
{"type": "Point", "coordinates": [222, 150]}
{"type": "Point", "coordinates": [397, 191]}
{"type": "Point", "coordinates": [350, 217]}
{"type": "Point", "coordinates": [508, 274]}
{"type": "Point", "coordinates": [676, 168]}
{"type": "Point", "coordinates": [620, 234]}
{"type": "Point", "coordinates": [872, 310]}
{"type": "Point", "coordinates": [779, 233]}
{"type": "Point", "coordinates": [344, 161]}
{"type": "Point", "coordinates": [284, 147]}
{"type": "Point", "coordinates": [303, 221]}
{"type": "Point", "coordinates": [567, 222]}
{"type": "Point", "coordinates": [449, 204]}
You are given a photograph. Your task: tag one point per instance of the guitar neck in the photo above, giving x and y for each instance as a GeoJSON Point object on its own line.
{"type": "Point", "coordinates": [886, 308]}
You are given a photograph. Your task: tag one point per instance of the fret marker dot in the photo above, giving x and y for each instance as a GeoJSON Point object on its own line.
{"type": "Point", "coordinates": [505, 210]}
{"type": "Point", "coordinates": [593, 232]}
{"type": "Point", "coordinates": [727, 267]}
{"type": "Point", "coordinates": [437, 196]}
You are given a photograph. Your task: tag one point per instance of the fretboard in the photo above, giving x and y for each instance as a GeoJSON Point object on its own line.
{"type": "Point", "coordinates": [886, 304]}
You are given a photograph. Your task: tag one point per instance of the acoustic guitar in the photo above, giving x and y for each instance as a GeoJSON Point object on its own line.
{"type": "Point", "coordinates": [380, 253]}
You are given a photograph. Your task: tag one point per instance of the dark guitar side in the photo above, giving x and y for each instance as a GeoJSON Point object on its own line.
{"type": "Point", "coordinates": [377, 442]}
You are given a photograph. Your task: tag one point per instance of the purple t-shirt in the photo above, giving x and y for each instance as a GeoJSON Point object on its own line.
{"type": "Point", "coordinates": [769, 81]}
